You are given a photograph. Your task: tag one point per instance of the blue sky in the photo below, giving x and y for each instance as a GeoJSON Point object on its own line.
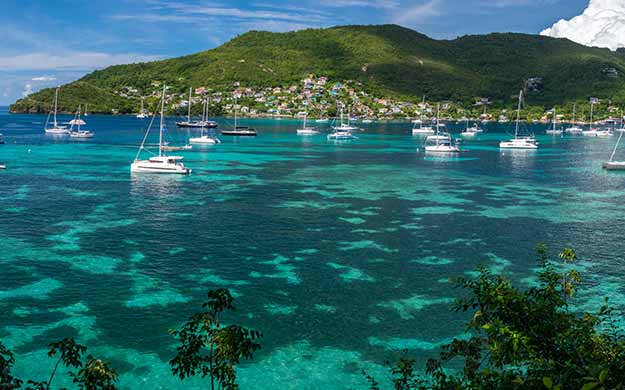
{"type": "Point", "coordinates": [49, 42]}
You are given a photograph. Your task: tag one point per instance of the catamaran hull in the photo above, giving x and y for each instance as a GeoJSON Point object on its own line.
{"type": "Point", "coordinates": [138, 168]}
{"type": "Point", "coordinates": [204, 141]}
{"type": "Point", "coordinates": [511, 145]}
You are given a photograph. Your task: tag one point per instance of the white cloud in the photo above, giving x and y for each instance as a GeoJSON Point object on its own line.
{"type": "Point", "coordinates": [28, 89]}
{"type": "Point", "coordinates": [43, 78]}
{"type": "Point", "coordinates": [418, 13]}
{"type": "Point", "coordinates": [69, 61]}
{"type": "Point", "coordinates": [602, 24]}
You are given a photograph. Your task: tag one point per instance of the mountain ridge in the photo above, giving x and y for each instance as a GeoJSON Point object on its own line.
{"type": "Point", "coordinates": [388, 60]}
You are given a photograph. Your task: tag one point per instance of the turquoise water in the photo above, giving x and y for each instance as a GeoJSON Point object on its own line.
{"type": "Point", "coordinates": [340, 253]}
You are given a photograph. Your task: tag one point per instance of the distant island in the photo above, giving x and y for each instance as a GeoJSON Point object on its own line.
{"type": "Point", "coordinates": [378, 72]}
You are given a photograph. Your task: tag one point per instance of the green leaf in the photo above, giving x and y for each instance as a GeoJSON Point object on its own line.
{"type": "Point", "coordinates": [548, 382]}
{"type": "Point", "coordinates": [603, 376]}
{"type": "Point", "coordinates": [590, 386]}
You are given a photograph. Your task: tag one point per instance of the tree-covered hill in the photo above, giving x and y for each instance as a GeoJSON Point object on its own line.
{"type": "Point", "coordinates": [389, 61]}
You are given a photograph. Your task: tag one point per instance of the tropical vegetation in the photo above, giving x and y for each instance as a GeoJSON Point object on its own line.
{"type": "Point", "coordinates": [385, 61]}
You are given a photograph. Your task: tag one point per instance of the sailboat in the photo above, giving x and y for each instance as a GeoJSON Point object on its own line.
{"type": "Point", "coordinates": [342, 131]}
{"type": "Point", "coordinates": [142, 113]}
{"type": "Point", "coordinates": [86, 111]}
{"type": "Point", "coordinates": [471, 131]}
{"type": "Point", "coordinates": [612, 165]}
{"type": "Point", "coordinates": [419, 129]}
{"type": "Point", "coordinates": [554, 130]}
{"type": "Point", "coordinates": [440, 142]}
{"type": "Point", "coordinates": [197, 124]}
{"type": "Point", "coordinates": [305, 130]}
{"type": "Point", "coordinates": [78, 122]}
{"type": "Point", "coordinates": [160, 163]}
{"type": "Point", "coordinates": [56, 129]}
{"type": "Point", "coordinates": [595, 132]}
{"type": "Point", "coordinates": [205, 139]}
{"type": "Point", "coordinates": [525, 142]}
{"type": "Point", "coordinates": [574, 130]}
{"type": "Point", "coordinates": [239, 131]}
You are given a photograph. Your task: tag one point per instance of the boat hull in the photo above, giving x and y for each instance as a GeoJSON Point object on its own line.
{"type": "Point", "coordinates": [204, 141]}
{"type": "Point", "coordinates": [239, 133]}
{"type": "Point", "coordinates": [614, 166]}
{"type": "Point", "coordinates": [150, 167]}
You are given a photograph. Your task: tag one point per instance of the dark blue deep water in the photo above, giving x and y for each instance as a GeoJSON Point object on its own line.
{"type": "Point", "coordinates": [339, 253]}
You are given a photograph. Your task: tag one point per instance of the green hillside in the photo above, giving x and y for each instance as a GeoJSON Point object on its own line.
{"type": "Point", "coordinates": [389, 61]}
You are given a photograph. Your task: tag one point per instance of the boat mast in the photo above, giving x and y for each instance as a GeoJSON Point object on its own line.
{"type": "Point", "coordinates": [518, 115]}
{"type": "Point", "coordinates": [235, 113]}
{"type": "Point", "coordinates": [56, 99]}
{"type": "Point", "coordinates": [591, 107]}
{"type": "Point", "coordinates": [555, 118]}
{"type": "Point", "coordinates": [574, 106]}
{"type": "Point", "coordinates": [189, 112]}
{"type": "Point", "coordinates": [160, 135]}
{"type": "Point", "coordinates": [438, 110]}
{"type": "Point", "coordinates": [616, 146]}
{"type": "Point", "coordinates": [78, 118]}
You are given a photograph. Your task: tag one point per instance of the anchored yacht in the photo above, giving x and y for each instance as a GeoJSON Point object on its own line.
{"type": "Point", "coordinates": [79, 132]}
{"type": "Point", "coordinates": [519, 142]}
{"type": "Point", "coordinates": [56, 129]}
{"type": "Point", "coordinates": [160, 163]}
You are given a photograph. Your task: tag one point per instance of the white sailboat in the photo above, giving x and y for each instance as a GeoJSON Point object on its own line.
{"type": "Point", "coordinates": [197, 124]}
{"type": "Point", "coordinates": [420, 129]}
{"type": "Point", "coordinates": [554, 130]}
{"type": "Point", "coordinates": [612, 165]}
{"type": "Point", "coordinates": [205, 139]}
{"type": "Point", "coordinates": [56, 129]}
{"type": "Point", "coordinates": [440, 142]}
{"type": "Point", "coordinates": [574, 129]}
{"type": "Point", "coordinates": [305, 130]}
{"type": "Point", "coordinates": [471, 131]}
{"type": "Point", "coordinates": [79, 132]}
{"type": "Point", "coordinates": [593, 131]}
{"type": "Point", "coordinates": [160, 163]}
{"type": "Point", "coordinates": [519, 142]}
{"type": "Point", "coordinates": [343, 131]}
{"type": "Point", "coordinates": [142, 113]}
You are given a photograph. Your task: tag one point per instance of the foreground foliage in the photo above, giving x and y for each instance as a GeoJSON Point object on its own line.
{"type": "Point", "coordinates": [207, 348]}
{"type": "Point", "coordinates": [210, 349]}
{"type": "Point", "coordinates": [526, 339]}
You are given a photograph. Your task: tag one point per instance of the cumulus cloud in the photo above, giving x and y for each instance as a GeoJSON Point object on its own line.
{"type": "Point", "coordinates": [43, 78]}
{"type": "Point", "coordinates": [28, 89]}
{"type": "Point", "coordinates": [69, 60]}
{"type": "Point", "coordinates": [602, 24]}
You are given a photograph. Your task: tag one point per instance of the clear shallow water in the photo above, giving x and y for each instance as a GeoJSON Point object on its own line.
{"type": "Point", "coordinates": [340, 253]}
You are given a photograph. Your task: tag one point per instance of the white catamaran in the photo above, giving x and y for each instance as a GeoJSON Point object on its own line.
{"type": "Point", "coordinates": [56, 129]}
{"type": "Point", "coordinates": [519, 142]}
{"type": "Point", "coordinates": [307, 130]}
{"type": "Point", "coordinates": [79, 132]}
{"type": "Point", "coordinates": [159, 163]}
{"type": "Point", "coordinates": [440, 142]}
{"type": "Point", "coordinates": [342, 131]}
{"type": "Point", "coordinates": [554, 130]}
{"type": "Point", "coordinates": [574, 129]}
